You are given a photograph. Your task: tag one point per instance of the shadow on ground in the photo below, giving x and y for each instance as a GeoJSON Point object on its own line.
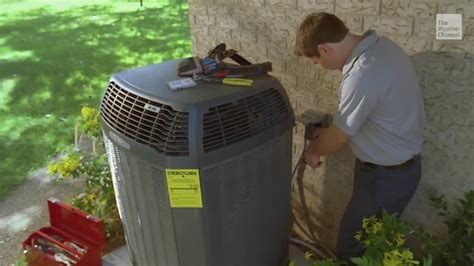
{"type": "Point", "coordinates": [52, 63]}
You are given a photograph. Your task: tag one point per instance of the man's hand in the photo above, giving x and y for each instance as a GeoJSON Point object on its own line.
{"type": "Point", "coordinates": [329, 140]}
{"type": "Point", "coordinates": [311, 158]}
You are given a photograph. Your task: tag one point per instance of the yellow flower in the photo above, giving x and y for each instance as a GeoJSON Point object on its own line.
{"type": "Point", "coordinates": [399, 239]}
{"type": "Point", "coordinates": [377, 227]}
{"type": "Point", "coordinates": [392, 258]}
{"type": "Point", "coordinates": [308, 255]}
{"type": "Point", "coordinates": [91, 197]}
{"type": "Point", "coordinates": [407, 256]}
{"type": "Point", "coordinates": [397, 258]}
{"type": "Point", "coordinates": [358, 236]}
{"type": "Point", "coordinates": [365, 222]}
{"type": "Point", "coordinates": [88, 111]}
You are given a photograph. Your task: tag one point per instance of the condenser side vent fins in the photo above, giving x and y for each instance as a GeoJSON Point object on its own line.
{"type": "Point", "coordinates": [148, 122]}
{"type": "Point", "coordinates": [232, 122]}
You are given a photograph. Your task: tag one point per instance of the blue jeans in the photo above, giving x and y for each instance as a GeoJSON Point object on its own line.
{"type": "Point", "coordinates": [375, 188]}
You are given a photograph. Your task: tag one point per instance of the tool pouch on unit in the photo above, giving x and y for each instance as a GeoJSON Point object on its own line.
{"type": "Point", "coordinates": [213, 62]}
{"type": "Point", "coordinates": [190, 66]}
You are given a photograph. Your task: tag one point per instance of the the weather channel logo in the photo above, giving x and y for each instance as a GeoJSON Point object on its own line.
{"type": "Point", "coordinates": [448, 26]}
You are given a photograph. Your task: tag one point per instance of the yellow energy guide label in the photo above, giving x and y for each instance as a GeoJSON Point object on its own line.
{"type": "Point", "coordinates": [184, 188]}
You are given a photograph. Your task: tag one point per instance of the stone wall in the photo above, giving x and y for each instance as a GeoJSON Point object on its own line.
{"type": "Point", "coordinates": [264, 30]}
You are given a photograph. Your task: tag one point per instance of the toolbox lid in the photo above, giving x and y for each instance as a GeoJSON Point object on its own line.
{"type": "Point", "coordinates": [76, 222]}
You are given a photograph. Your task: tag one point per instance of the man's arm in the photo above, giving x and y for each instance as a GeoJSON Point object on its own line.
{"type": "Point", "coordinates": [330, 140]}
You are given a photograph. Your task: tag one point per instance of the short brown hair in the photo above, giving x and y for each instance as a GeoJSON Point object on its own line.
{"type": "Point", "coordinates": [318, 28]}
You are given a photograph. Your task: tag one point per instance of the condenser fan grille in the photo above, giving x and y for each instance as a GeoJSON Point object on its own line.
{"type": "Point", "coordinates": [235, 121]}
{"type": "Point", "coordinates": [146, 121]}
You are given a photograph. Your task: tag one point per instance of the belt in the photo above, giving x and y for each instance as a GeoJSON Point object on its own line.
{"type": "Point", "coordinates": [391, 167]}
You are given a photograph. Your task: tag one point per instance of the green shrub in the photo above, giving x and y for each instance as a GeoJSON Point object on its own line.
{"type": "Point", "coordinates": [459, 248]}
{"type": "Point", "coordinates": [98, 197]}
{"type": "Point", "coordinates": [385, 244]}
{"type": "Point", "coordinates": [384, 239]}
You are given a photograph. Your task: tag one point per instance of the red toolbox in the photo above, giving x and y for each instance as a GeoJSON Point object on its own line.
{"type": "Point", "coordinates": [74, 238]}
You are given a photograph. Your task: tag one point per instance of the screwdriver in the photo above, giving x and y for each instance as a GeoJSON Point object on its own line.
{"type": "Point", "coordinates": [230, 81]}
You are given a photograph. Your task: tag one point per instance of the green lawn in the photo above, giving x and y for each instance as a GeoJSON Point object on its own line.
{"type": "Point", "coordinates": [57, 56]}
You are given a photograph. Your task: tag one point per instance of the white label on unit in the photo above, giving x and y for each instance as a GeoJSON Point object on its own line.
{"type": "Point", "coordinates": [179, 84]}
{"type": "Point", "coordinates": [152, 108]}
{"type": "Point", "coordinates": [448, 26]}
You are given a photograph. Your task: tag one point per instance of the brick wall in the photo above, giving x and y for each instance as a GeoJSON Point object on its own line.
{"type": "Point", "coordinates": [264, 30]}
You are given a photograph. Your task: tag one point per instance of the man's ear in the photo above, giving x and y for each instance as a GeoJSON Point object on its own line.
{"type": "Point", "coordinates": [323, 48]}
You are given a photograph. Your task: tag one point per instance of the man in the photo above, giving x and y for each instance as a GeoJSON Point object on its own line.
{"type": "Point", "coordinates": [381, 117]}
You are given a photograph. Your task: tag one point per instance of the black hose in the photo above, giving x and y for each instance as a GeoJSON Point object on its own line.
{"type": "Point", "coordinates": [314, 246]}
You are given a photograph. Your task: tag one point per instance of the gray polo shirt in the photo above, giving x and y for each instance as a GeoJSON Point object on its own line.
{"type": "Point", "coordinates": [381, 105]}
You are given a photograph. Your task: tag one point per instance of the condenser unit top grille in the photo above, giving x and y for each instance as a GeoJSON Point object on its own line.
{"type": "Point", "coordinates": [235, 121]}
{"type": "Point", "coordinates": [148, 122]}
